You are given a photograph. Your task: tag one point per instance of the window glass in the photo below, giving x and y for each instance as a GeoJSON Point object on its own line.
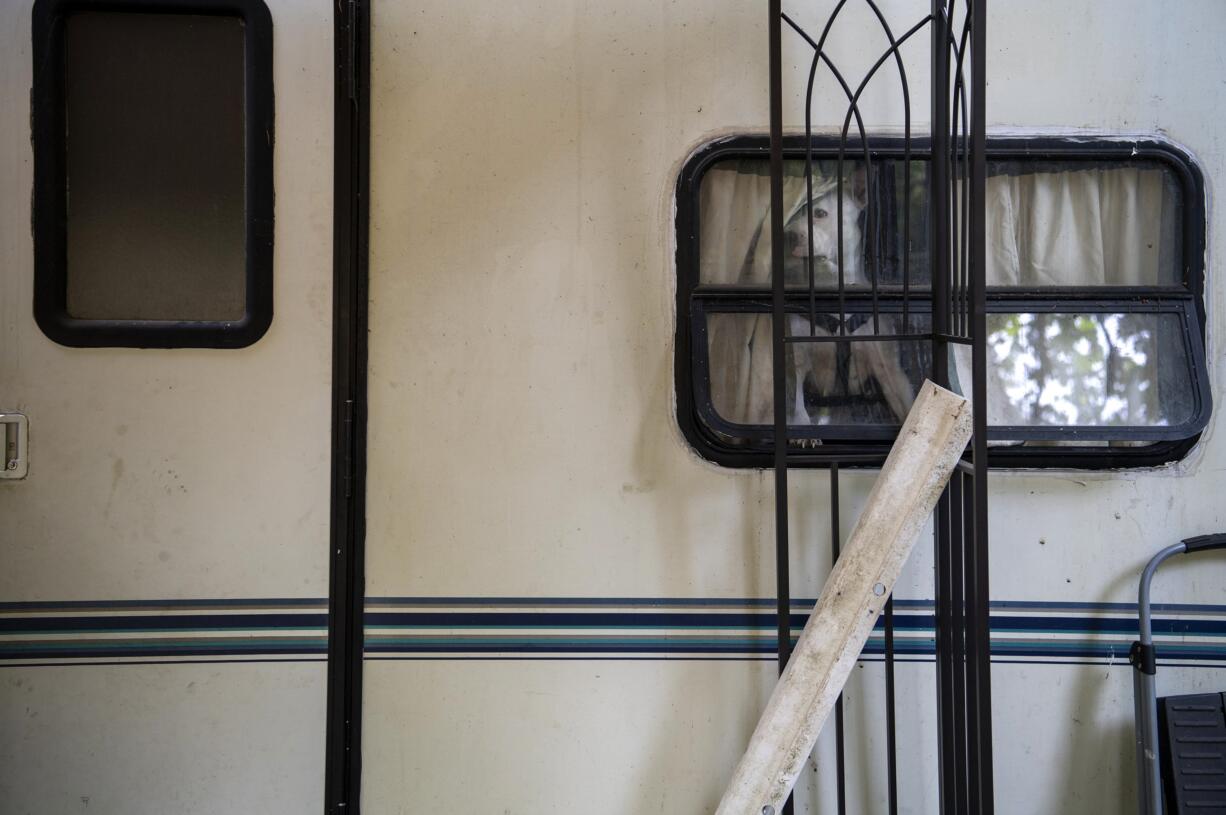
{"type": "Point", "coordinates": [828, 383]}
{"type": "Point", "coordinates": [154, 131]}
{"type": "Point", "coordinates": [1095, 312]}
{"type": "Point", "coordinates": [1087, 370]}
{"type": "Point", "coordinates": [1077, 370]}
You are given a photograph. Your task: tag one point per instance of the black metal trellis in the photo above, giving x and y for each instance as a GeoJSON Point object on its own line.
{"type": "Point", "coordinates": [956, 299]}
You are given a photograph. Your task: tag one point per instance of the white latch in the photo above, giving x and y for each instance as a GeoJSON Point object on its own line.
{"type": "Point", "coordinates": [15, 462]}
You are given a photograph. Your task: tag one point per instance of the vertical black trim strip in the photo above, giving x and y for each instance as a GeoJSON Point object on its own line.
{"type": "Point", "coordinates": [351, 180]}
{"type": "Point", "coordinates": [979, 634]}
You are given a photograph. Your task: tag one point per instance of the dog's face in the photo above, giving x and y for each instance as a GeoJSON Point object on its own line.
{"type": "Point", "coordinates": [813, 231]}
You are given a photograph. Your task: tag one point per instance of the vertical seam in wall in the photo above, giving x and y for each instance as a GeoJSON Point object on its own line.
{"type": "Point", "coordinates": [346, 586]}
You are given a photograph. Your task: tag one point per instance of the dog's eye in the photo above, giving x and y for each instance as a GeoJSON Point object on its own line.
{"type": "Point", "coordinates": [820, 213]}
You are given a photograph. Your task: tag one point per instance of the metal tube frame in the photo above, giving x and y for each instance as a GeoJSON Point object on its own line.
{"type": "Point", "coordinates": [1145, 693]}
{"type": "Point", "coordinates": [958, 305]}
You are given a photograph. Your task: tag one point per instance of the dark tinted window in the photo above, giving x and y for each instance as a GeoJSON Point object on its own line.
{"type": "Point", "coordinates": [153, 139]}
{"type": "Point", "coordinates": [154, 144]}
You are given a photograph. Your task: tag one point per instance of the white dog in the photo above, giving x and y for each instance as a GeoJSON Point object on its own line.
{"type": "Point", "coordinates": [811, 235]}
{"type": "Point", "coordinates": [820, 240]}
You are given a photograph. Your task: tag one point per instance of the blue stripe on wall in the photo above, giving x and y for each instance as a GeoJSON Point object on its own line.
{"type": "Point", "coordinates": [443, 627]}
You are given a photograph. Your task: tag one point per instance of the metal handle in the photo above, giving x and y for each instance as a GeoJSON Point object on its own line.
{"type": "Point", "coordinates": [14, 455]}
{"type": "Point", "coordinates": [1145, 692]}
{"type": "Point", "coordinates": [1203, 543]}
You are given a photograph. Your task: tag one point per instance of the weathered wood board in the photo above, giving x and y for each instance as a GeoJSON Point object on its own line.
{"type": "Point", "coordinates": [929, 445]}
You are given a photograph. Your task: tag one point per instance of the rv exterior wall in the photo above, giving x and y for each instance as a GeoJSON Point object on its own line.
{"type": "Point", "coordinates": [170, 476]}
{"type": "Point", "coordinates": [524, 453]}
{"type": "Point", "coordinates": [524, 442]}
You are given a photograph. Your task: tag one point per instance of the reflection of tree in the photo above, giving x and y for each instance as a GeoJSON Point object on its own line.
{"type": "Point", "coordinates": [1041, 372]}
{"type": "Point", "coordinates": [1077, 369]}
{"type": "Point", "coordinates": [1112, 361]}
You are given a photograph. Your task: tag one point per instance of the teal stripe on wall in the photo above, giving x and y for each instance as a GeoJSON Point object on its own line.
{"type": "Point", "coordinates": [87, 632]}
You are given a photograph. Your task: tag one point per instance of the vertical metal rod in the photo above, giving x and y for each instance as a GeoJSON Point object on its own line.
{"type": "Point", "coordinates": [778, 346]}
{"type": "Point", "coordinates": [964, 300]}
{"type": "Point", "coordinates": [873, 229]}
{"type": "Point", "coordinates": [891, 744]}
{"type": "Point", "coordinates": [939, 192]}
{"type": "Point", "coordinates": [809, 199]}
{"type": "Point", "coordinates": [970, 625]}
{"type": "Point", "coordinates": [979, 599]}
{"type": "Point", "coordinates": [947, 760]}
{"type": "Point", "coordinates": [955, 256]}
{"type": "Point", "coordinates": [836, 536]}
{"type": "Point", "coordinates": [779, 368]}
{"type": "Point", "coordinates": [952, 180]}
{"type": "Point", "coordinates": [957, 642]}
{"type": "Point", "coordinates": [872, 194]}
{"type": "Point", "coordinates": [961, 177]}
{"type": "Point", "coordinates": [1147, 802]}
{"type": "Point", "coordinates": [939, 246]}
{"type": "Point", "coordinates": [838, 187]}
{"type": "Point", "coordinates": [906, 224]}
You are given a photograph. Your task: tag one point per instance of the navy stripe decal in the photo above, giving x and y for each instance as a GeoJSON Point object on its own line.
{"type": "Point", "coordinates": [619, 628]}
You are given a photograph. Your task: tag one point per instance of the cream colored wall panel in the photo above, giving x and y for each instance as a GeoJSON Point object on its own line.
{"type": "Point", "coordinates": [1063, 743]}
{"type": "Point", "coordinates": [522, 276]}
{"type": "Point", "coordinates": [609, 737]}
{"type": "Point", "coordinates": [177, 473]}
{"type": "Point", "coordinates": [146, 740]}
{"type": "Point", "coordinates": [170, 474]}
{"type": "Point", "coordinates": [521, 312]}
{"type": "Point", "coordinates": [522, 434]}
{"type": "Point", "coordinates": [548, 737]}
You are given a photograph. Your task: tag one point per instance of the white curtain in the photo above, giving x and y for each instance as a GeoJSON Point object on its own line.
{"type": "Point", "coordinates": [1100, 226]}
{"type": "Point", "coordinates": [1091, 227]}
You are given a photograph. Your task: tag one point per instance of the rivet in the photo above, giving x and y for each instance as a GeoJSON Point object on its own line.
{"type": "Point", "coordinates": [879, 589]}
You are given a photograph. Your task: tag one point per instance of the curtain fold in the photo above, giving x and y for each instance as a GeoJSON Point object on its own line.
{"type": "Point", "coordinates": [1093, 227]}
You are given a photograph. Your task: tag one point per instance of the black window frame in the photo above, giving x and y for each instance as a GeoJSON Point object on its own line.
{"type": "Point", "coordinates": [50, 184]}
{"type": "Point", "coordinates": [728, 445]}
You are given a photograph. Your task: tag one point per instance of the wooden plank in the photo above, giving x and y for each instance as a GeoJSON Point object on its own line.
{"type": "Point", "coordinates": [932, 439]}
